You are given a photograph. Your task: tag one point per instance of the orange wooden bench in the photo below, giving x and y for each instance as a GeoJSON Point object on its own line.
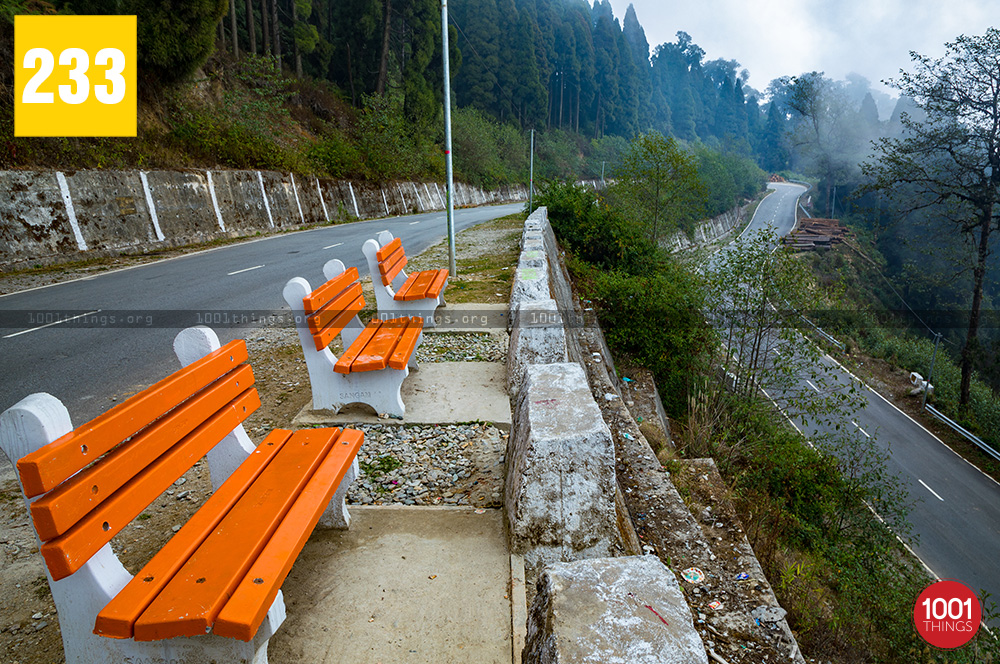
{"type": "Point", "coordinates": [212, 593]}
{"type": "Point", "coordinates": [376, 358]}
{"type": "Point", "coordinates": [395, 291]}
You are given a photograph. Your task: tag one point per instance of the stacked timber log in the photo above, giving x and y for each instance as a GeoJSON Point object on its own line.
{"type": "Point", "coordinates": [812, 233]}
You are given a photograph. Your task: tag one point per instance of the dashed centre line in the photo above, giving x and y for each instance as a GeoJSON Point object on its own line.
{"type": "Point", "coordinates": [58, 322]}
{"type": "Point", "coordinates": [931, 490]}
{"type": "Point", "coordinates": [414, 223]}
{"type": "Point", "coordinates": [247, 269]}
{"type": "Point", "coordinates": [331, 246]}
{"type": "Point", "coordinates": [860, 429]}
{"type": "Point", "coordinates": [810, 384]}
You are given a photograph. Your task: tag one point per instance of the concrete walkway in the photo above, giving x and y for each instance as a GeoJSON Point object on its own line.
{"type": "Point", "coordinates": [436, 393]}
{"type": "Point", "coordinates": [421, 585]}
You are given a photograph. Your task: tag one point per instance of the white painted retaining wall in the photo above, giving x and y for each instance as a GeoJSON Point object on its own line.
{"type": "Point", "coordinates": [50, 216]}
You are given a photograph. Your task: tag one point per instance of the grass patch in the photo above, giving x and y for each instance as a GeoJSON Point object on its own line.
{"type": "Point", "coordinates": [485, 266]}
{"type": "Point", "coordinates": [381, 465]}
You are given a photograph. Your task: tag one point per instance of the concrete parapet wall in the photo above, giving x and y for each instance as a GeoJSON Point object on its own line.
{"type": "Point", "coordinates": [50, 217]}
{"type": "Point", "coordinates": [538, 336]}
{"type": "Point", "coordinates": [560, 484]}
{"type": "Point", "coordinates": [707, 231]}
{"type": "Point", "coordinates": [560, 477]}
{"type": "Point", "coordinates": [614, 611]}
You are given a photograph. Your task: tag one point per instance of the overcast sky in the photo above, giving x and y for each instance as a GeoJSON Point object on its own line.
{"type": "Point", "coordinates": [773, 38]}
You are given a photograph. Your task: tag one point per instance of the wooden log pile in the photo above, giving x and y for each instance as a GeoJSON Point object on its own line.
{"type": "Point", "coordinates": [812, 233]}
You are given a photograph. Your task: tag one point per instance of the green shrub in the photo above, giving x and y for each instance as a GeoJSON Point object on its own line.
{"type": "Point", "coordinates": [596, 233]}
{"type": "Point", "coordinates": [385, 142]}
{"type": "Point", "coordinates": [334, 155]}
{"type": "Point", "coordinates": [656, 319]}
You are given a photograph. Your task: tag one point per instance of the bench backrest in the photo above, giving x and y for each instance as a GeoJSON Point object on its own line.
{"type": "Point", "coordinates": [391, 260]}
{"type": "Point", "coordinates": [94, 480]}
{"type": "Point", "coordinates": [332, 306]}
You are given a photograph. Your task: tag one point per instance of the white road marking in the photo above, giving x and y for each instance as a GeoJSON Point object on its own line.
{"type": "Point", "coordinates": [860, 429]}
{"type": "Point", "coordinates": [810, 384]}
{"type": "Point", "coordinates": [414, 223]}
{"type": "Point", "coordinates": [42, 327]}
{"type": "Point", "coordinates": [247, 269]}
{"type": "Point", "coordinates": [776, 352]}
{"type": "Point", "coordinates": [331, 246]}
{"type": "Point", "coordinates": [907, 416]}
{"type": "Point", "coordinates": [931, 490]}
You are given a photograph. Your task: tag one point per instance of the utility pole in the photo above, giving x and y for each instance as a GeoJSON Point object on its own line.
{"type": "Point", "coordinates": [937, 339]}
{"type": "Point", "coordinates": [447, 138]}
{"type": "Point", "coordinates": [531, 175]}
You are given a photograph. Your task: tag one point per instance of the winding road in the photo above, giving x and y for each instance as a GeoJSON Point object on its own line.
{"type": "Point", "coordinates": [956, 515]}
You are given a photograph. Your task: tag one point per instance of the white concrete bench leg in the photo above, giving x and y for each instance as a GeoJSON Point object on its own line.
{"type": "Point", "coordinates": [379, 389]}
{"type": "Point", "coordinates": [190, 345]}
{"type": "Point", "coordinates": [36, 421]}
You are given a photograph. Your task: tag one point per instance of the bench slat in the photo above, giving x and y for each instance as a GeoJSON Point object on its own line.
{"type": "Point", "coordinates": [418, 291]}
{"type": "Point", "coordinates": [346, 361]}
{"type": "Point", "coordinates": [327, 316]}
{"type": "Point", "coordinates": [391, 266]}
{"type": "Point", "coordinates": [329, 333]}
{"type": "Point", "coordinates": [45, 468]}
{"type": "Point", "coordinates": [376, 354]}
{"type": "Point", "coordinates": [192, 599]}
{"type": "Point", "coordinates": [438, 284]}
{"type": "Point", "coordinates": [407, 343]}
{"type": "Point", "coordinates": [388, 249]}
{"type": "Point", "coordinates": [57, 511]}
{"type": "Point", "coordinates": [117, 619]}
{"type": "Point", "coordinates": [67, 553]}
{"type": "Point", "coordinates": [319, 297]}
{"type": "Point", "coordinates": [245, 611]}
{"type": "Point", "coordinates": [407, 285]}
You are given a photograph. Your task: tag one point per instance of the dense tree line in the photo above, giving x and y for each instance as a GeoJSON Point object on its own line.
{"type": "Point", "coordinates": [541, 64]}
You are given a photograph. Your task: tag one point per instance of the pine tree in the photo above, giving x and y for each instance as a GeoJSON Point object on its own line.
{"type": "Point", "coordinates": [639, 46]}
{"type": "Point", "coordinates": [479, 29]}
{"type": "Point", "coordinates": [869, 112]}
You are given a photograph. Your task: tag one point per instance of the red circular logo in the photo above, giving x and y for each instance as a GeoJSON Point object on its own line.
{"type": "Point", "coordinates": [947, 614]}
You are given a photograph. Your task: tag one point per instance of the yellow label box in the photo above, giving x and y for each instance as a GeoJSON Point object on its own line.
{"type": "Point", "coordinates": [74, 76]}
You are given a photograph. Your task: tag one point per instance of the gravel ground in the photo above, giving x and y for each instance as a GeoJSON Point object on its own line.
{"type": "Point", "coordinates": [430, 465]}
{"type": "Point", "coordinates": [463, 347]}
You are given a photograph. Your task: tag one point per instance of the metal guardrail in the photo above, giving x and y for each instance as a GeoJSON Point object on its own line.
{"type": "Point", "coordinates": [958, 428]}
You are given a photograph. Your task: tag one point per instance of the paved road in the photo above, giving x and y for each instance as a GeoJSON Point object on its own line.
{"type": "Point", "coordinates": [956, 518]}
{"type": "Point", "coordinates": [777, 210]}
{"type": "Point", "coordinates": [86, 366]}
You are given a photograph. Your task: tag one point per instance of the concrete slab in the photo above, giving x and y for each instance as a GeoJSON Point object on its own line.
{"type": "Point", "coordinates": [419, 585]}
{"type": "Point", "coordinates": [436, 393]}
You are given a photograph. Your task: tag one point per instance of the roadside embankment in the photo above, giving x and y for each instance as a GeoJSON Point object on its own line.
{"type": "Point", "coordinates": [51, 217]}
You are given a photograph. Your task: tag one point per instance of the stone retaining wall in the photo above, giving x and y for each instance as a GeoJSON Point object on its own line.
{"type": "Point", "coordinates": [707, 231]}
{"type": "Point", "coordinates": [560, 484]}
{"type": "Point", "coordinates": [558, 361]}
{"type": "Point", "coordinates": [53, 216]}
